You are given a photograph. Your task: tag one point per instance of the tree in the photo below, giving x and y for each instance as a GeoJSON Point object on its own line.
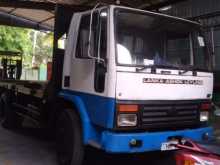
{"type": "Point", "coordinates": [18, 40]}
{"type": "Point", "coordinates": [15, 39]}
{"type": "Point", "coordinates": [42, 47]}
{"type": "Point", "coordinates": [24, 41]}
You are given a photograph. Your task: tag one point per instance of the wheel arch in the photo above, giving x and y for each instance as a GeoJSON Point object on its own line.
{"type": "Point", "coordinates": [76, 103]}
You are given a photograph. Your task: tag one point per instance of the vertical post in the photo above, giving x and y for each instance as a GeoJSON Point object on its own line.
{"type": "Point", "coordinates": [63, 17]}
{"type": "Point", "coordinates": [213, 47]}
{"type": "Point", "coordinates": [191, 50]}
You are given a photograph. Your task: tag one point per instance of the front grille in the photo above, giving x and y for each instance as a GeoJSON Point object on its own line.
{"type": "Point", "coordinates": [174, 115]}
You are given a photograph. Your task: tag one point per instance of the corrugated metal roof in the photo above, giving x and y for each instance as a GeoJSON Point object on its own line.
{"type": "Point", "coordinates": [42, 17]}
{"type": "Point", "coordinates": [41, 12]}
{"type": "Point", "coordinates": [206, 11]}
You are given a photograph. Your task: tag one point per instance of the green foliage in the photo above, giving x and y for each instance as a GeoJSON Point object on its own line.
{"type": "Point", "coordinates": [43, 49]}
{"type": "Point", "coordinates": [15, 39]}
{"type": "Point", "coordinates": [23, 40]}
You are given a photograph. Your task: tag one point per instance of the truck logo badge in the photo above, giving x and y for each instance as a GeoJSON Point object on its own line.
{"type": "Point", "coordinates": [172, 81]}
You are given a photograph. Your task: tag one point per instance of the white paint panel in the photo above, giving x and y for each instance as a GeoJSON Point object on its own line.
{"type": "Point", "coordinates": [81, 71]}
{"type": "Point", "coordinates": [82, 75]}
{"type": "Point", "coordinates": [130, 86]}
{"type": "Point", "coordinates": [71, 45]}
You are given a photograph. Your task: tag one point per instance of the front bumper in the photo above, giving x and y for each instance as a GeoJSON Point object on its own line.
{"type": "Point", "coordinates": [151, 141]}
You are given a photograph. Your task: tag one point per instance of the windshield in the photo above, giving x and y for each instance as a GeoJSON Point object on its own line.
{"type": "Point", "coordinates": [149, 39]}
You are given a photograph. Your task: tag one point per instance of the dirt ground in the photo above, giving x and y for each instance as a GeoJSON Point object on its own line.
{"type": "Point", "coordinates": [29, 146]}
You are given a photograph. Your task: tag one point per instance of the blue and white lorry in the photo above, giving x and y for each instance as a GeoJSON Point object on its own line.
{"type": "Point", "coordinates": [131, 82]}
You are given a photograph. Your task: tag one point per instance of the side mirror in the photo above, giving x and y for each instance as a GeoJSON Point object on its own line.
{"type": "Point", "coordinates": [100, 72]}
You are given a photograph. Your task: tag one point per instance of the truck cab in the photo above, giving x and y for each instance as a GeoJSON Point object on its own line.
{"type": "Point", "coordinates": [132, 81]}
{"type": "Point", "coordinates": [137, 78]}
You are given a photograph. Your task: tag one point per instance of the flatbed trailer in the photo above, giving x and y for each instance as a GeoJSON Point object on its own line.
{"type": "Point", "coordinates": [27, 97]}
{"type": "Point", "coordinates": [122, 84]}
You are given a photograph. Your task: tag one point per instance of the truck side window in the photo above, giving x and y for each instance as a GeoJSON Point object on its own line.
{"type": "Point", "coordinates": [100, 69]}
{"type": "Point", "coordinates": [83, 38]}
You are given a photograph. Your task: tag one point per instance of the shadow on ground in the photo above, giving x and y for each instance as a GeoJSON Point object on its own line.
{"type": "Point", "coordinates": [30, 146]}
{"type": "Point", "coordinates": [100, 158]}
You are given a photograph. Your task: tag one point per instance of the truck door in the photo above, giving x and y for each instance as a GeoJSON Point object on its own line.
{"type": "Point", "coordinates": [90, 70]}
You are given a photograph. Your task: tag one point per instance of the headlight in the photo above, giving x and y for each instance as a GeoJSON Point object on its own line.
{"type": "Point", "coordinates": [127, 120]}
{"type": "Point", "coordinates": [204, 116]}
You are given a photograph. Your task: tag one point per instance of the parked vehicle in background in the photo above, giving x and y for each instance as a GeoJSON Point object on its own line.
{"type": "Point", "coordinates": [192, 153]}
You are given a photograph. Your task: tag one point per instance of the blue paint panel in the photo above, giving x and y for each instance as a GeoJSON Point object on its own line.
{"type": "Point", "coordinates": [119, 142]}
{"type": "Point", "coordinates": [96, 110]}
{"type": "Point", "coordinates": [100, 109]}
{"type": "Point", "coordinates": [88, 131]}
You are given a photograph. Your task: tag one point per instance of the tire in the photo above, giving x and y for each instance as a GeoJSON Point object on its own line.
{"type": "Point", "coordinates": [69, 141]}
{"type": "Point", "coordinates": [10, 119]}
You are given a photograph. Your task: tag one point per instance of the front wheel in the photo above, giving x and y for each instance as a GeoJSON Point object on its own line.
{"type": "Point", "coordinates": [69, 142]}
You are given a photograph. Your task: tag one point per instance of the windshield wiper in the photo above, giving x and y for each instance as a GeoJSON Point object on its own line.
{"type": "Point", "coordinates": [181, 67]}
{"type": "Point", "coordinates": [144, 67]}
{"type": "Point", "coordinates": [153, 67]}
{"type": "Point", "coordinates": [187, 69]}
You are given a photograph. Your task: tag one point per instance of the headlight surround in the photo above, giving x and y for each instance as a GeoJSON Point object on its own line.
{"type": "Point", "coordinates": [127, 120]}
{"type": "Point", "coordinates": [204, 116]}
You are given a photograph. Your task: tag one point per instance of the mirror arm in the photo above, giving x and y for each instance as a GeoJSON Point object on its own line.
{"type": "Point", "coordinates": [90, 32]}
{"type": "Point", "coordinates": [98, 59]}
